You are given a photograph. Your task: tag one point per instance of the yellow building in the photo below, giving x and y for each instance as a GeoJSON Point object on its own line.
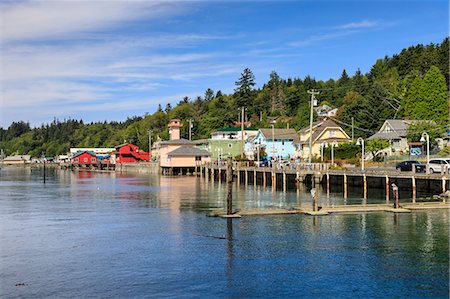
{"type": "Point", "coordinates": [324, 133]}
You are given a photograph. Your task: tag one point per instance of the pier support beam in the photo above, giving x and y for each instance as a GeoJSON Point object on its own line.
{"type": "Point", "coordinates": [328, 185]}
{"type": "Point", "coordinates": [238, 176]}
{"type": "Point", "coordinates": [365, 186]}
{"type": "Point", "coordinates": [444, 183]}
{"type": "Point", "coordinates": [345, 185]}
{"type": "Point", "coordinates": [264, 179]}
{"type": "Point", "coordinates": [246, 179]}
{"type": "Point", "coordinates": [414, 189]}
{"type": "Point", "coordinates": [274, 181]}
{"type": "Point", "coordinates": [387, 190]}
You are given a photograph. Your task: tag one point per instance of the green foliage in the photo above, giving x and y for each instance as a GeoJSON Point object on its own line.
{"type": "Point", "coordinates": [375, 145]}
{"type": "Point", "coordinates": [445, 152]}
{"type": "Point", "coordinates": [427, 97]}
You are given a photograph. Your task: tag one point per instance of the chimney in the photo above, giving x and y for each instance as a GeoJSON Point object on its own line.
{"type": "Point", "coordinates": [174, 129]}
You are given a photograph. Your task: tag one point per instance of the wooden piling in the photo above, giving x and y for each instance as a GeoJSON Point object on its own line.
{"type": "Point", "coordinates": [387, 190]}
{"type": "Point", "coordinates": [395, 194]}
{"type": "Point", "coordinates": [44, 171]}
{"type": "Point", "coordinates": [328, 185]}
{"type": "Point", "coordinates": [229, 187]}
{"type": "Point", "coordinates": [274, 181]}
{"type": "Point", "coordinates": [238, 176]}
{"type": "Point", "coordinates": [264, 179]}
{"type": "Point", "coordinates": [246, 179]}
{"type": "Point", "coordinates": [443, 185]}
{"type": "Point", "coordinates": [345, 185]}
{"type": "Point", "coordinates": [284, 182]}
{"type": "Point", "coordinates": [365, 185]}
{"type": "Point", "coordinates": [414, 189]}
{"type": "Point", "coordinates": [315, 196]}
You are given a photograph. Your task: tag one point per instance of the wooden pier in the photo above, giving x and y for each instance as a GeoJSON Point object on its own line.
{"type": "Point", "coordinates": [314, 174]}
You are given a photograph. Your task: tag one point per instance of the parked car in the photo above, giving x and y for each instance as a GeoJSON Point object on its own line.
{"type": "Point", "coordinates": [437, 164]}
{"type": "Point", "coordinates": [407, 166]}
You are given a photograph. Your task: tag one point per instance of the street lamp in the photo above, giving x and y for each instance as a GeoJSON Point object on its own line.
{"type": "Point", "coordinates": [333, 145]}
{"type": "Point", "coordinates": [422, 139]}
{"type": "Point", "coordinates": [149, 132]}
{"type": "Point", "coordinates": [360, 141]}
{"type": "Point", "coordinates": [273, 142]}
{"type": "Point", "coordinates": [322, 146]}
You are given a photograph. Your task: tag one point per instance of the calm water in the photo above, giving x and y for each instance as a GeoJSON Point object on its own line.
{"type": "Point", "coordinates": [120, 236]}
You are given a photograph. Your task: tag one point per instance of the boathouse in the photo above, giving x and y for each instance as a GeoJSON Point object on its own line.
{"type": "Point", "coordinates": [130, 153]}
{"type": "Point", "coordinates": [84, 159]}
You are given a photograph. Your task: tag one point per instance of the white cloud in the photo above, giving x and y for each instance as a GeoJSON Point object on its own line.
{"type": "Point", "coordinates": [60, 19]}
{"type": "Point", "coordinates": [359, 25]}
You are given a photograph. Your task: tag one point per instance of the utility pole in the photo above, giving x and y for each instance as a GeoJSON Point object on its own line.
{"type": "Point", "coordinates": [313, 103]}
{"type": "Point", "coordinates": [353, 128]}
{"type": "Point", "coordinates": [242, 132]}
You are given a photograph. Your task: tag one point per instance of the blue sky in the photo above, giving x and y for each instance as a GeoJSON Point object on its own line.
{"type": "Point", "coordinates": [107, 60]}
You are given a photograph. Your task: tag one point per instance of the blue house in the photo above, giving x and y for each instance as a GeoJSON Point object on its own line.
{"type": "Point", "coordinates": [277, 143]}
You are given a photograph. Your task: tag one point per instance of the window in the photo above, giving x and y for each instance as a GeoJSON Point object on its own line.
{"type": "Point", "coordinates": [93, 160]}
{"type": "Point", "coordinates": [198, 158]}
{"type": "Point", "coordinates": [76, 160]}
{"type": "Point", "coordinates": [332, 133]}
{"type": "Point", "coordinates": [230, 145]}
{"type": "Point", "coordinates": [85, 159]}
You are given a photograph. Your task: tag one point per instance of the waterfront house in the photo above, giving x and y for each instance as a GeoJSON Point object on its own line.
{"type": "Point", "coordinates": [130, 153]}
{"type": "Point", "coordinates": [324, 133]}
{"type": "Point", "coordinates": [396, 131]}
{"type": "Point", "coordinates": [84, 159]}
{"type": "Point", "coordinates": [277, 143]}
{"type": "Point", "coordinates": [227, 142]}
{"type": "Point", "coordinates": [17, 160]}
{"type": "Point", "coordinates": [179, 155]}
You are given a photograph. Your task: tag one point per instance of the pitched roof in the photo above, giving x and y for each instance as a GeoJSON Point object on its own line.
{"type": "Point", "coordinates": [399, 128]}
{"type": "Point", "coordinates": [189, 151]}
{"type": "Point", "coordinates": [233, 129]}
{"type": "Point", "coordinates": [320, 126]}
{"type": "Point", "coordinates": [17, 158]}
{"type": "Point", "coordinates": [82, 152]}
{"type": "Point", "coordinates": [177, 142]}
{"type": "Point", "coordinates": [281, 134]}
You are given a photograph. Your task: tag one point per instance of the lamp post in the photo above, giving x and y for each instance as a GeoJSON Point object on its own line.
{"type": "Point", "coordinates": [426, 137]}
{"type": "Point", "coordinates": [257, 152]}
{"type": "Point", "coordinates": [149, 132]}
{"type": "Point", "coordinates": [360, 141]}
{"type": "Point", "coordinates": [273, 141]}
{"type": "Point", "coordinates": [333, 145]}
{"type": "Point", "coordinates": [313, 103]}
{"type": "Point", "coordinates": [322, 146]}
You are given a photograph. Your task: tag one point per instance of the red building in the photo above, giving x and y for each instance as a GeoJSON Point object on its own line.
{"type": "Point", "coordinates": [84, 159]}
{"type": "Point", "coordinates": [130, 153]}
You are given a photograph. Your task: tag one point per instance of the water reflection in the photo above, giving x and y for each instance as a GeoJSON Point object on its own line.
{"type": "Point", "coordinates": [118, 235]}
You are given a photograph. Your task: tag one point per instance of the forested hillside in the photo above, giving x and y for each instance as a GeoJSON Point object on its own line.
{"type": "Point", "coordinates": [412, 84]}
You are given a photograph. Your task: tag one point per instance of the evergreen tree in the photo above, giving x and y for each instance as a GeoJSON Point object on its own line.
{"type": "Point", "coordinates": [244, 87]}
{"type": "Point", "coordinates": [428, 97]}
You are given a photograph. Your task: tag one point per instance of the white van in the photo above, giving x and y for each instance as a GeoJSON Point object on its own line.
{"type": "Point", "coordinates": [437, 164]}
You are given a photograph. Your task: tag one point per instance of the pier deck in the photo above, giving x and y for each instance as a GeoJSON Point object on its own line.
{"type": "Point", "coordinates": [338, 209]}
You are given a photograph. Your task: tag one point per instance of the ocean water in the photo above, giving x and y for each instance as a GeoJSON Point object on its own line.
{"type": "Point", "coordinates": [111, 235]}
